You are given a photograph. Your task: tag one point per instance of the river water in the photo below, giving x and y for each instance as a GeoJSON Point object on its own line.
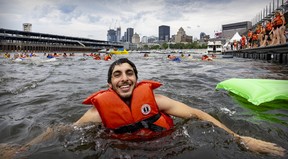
{"type": "Point", "coordinates": [36, 94]}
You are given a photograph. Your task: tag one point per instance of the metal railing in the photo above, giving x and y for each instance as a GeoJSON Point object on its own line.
{"type": "Point", "coordinates": [268, 11]}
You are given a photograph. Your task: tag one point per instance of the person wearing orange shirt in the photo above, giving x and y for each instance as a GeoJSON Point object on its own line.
{"type": "Point", "coordinates": [268, 33]}
{"type": "Point", "coordinates": [243, 41]}
{"type": "Point", "coordinates": [260, 34]}
{"type": "Point", "coordinates": [278, 22]}
{"type": "Point", "coordinates": [282, 29]}
{"type": "Point", "coordinates": [254, 40]}
{"type": "Point", "coordinates": [249, 38]}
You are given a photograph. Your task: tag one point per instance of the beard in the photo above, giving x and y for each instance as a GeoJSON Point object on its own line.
{"type": "Point", "coordinates": [122, 92]}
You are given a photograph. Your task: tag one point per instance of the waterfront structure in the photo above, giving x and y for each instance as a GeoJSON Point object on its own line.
{"type": "Point", "coordinates": [133, 46]}
{"type": "Point", "coordinates": [27, 27]}
{"type": "Point", "coordinates": [275, 54]}
{"type": "Point", "coordinates": [164, 33]}
{"type": "Point", "coordinates": [112, 35]}
{"type": "Point", "coordinates": [181, 36]}
{"type": "Point", "coordinates": [129, 46]}
{"type": "Point", "coordinates": [14, 40]}
{"type": "Point", "coordinates": [214, 47]}
{"type": "Point", "coordinates": [228, 30]}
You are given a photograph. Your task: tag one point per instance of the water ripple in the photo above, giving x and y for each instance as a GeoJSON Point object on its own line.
{"type": "Point", "coordinates": [38, 95]}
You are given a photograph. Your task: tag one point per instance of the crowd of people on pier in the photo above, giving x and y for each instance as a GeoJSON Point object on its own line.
{"type": "Point", "coordinates": [271, 32]}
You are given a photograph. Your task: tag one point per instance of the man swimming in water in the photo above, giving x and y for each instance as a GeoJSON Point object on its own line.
{"type": "Point", "coordinates": [150, 111]}
{"type": "Point", "coordinates": [122, 80]}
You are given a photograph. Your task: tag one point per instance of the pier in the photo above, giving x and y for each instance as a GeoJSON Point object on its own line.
{"type": "Point", "coordinates": [25, 41]}
{"type": "Point", "coordinates": [275, 54]}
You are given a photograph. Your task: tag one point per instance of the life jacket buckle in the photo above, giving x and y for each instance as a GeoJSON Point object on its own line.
{"type": "Point", "coordinates": [144, 124]}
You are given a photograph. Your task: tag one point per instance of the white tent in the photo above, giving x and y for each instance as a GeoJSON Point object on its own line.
{"type": "Point", "coordinates": [236, 37]}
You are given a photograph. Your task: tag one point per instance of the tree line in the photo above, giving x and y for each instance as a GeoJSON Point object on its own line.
{"type": "Point", "coordinates": [192, 45]}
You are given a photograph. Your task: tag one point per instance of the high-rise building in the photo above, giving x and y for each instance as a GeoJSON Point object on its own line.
{"type": "Point", "coordinates": [111, 35]}
{"type": "Point", "coordinates": [130, 33]}
{"type": "Point", "coordinates": [202, 35]}
{"type": "Point", "coordinates": [124, 37]}
{"type": "Point", "coordinates": [118, 34]}
{"type": "Point", "coordinates": [164, 33]}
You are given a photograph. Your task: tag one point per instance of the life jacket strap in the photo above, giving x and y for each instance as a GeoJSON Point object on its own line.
{"type": "Point", "coordinates": [147, 123]}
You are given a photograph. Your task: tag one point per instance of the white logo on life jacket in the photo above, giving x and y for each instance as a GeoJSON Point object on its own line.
{"type": "Point", "coordinates": [145, 109]}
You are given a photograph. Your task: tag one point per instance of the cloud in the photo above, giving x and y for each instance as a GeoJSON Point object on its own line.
{"type": "Point", "coordinates": [66, 9]}
{"type": "Point", "coordinates": [83, 18]}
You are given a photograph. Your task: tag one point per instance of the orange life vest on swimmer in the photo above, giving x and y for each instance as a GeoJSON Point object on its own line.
{"type": "Point", "coordinates": [107, 57]}
{"type": "Point", "coordinates": [97, 58]}
{"type": "Point", "coordinates": [143, 118]}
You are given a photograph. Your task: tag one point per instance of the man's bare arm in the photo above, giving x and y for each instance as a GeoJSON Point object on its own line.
{"type": "Point", "coordinates": [181, 110]}
{"type": "Point", "coordinates": [92, 115]}
{"type": "Point", "coordinates": [10, 151]}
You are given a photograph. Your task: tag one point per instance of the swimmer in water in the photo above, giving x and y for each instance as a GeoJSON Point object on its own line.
{"type": "Point", "coordinates": [152, 110]}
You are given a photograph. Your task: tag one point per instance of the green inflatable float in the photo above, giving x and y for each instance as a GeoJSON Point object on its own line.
{"type": "Point", "coordinates": [256, 91]}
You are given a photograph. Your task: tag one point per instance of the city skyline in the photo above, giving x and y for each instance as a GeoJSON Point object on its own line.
{"type": "Point", "coordinates": [92, 19]}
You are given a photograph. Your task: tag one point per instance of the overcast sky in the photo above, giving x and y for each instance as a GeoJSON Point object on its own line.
{"type": "Point", "coordinates": [92, 18]}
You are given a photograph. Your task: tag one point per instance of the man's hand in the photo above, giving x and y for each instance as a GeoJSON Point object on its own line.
{"type": "Point", "coordinates": [261, 146]}
{"type": "Point", "coordinates": [10, 151]}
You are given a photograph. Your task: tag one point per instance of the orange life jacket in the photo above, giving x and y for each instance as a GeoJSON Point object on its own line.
{"type": "Point", "coordinates": [243, 41]}
{"type": "Point", "coordinates": [204, 57]}
{"type": "Point", "coordinates": [254, 37]}
{"type": "Point", "coordinates": [258, 31]}
{"type": "Point", "coordinates": [97, 58]}
{"type": "Point", "coordinates": [107, 57]}
{"type": "Point", "coordinates": [268, 27]}
{"type": "Point", "coordinates": [143, 118]}
{"type": "Point", "coordinates": [278, 21]}
{"type": "Point", "coordinates": [250, 34]}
